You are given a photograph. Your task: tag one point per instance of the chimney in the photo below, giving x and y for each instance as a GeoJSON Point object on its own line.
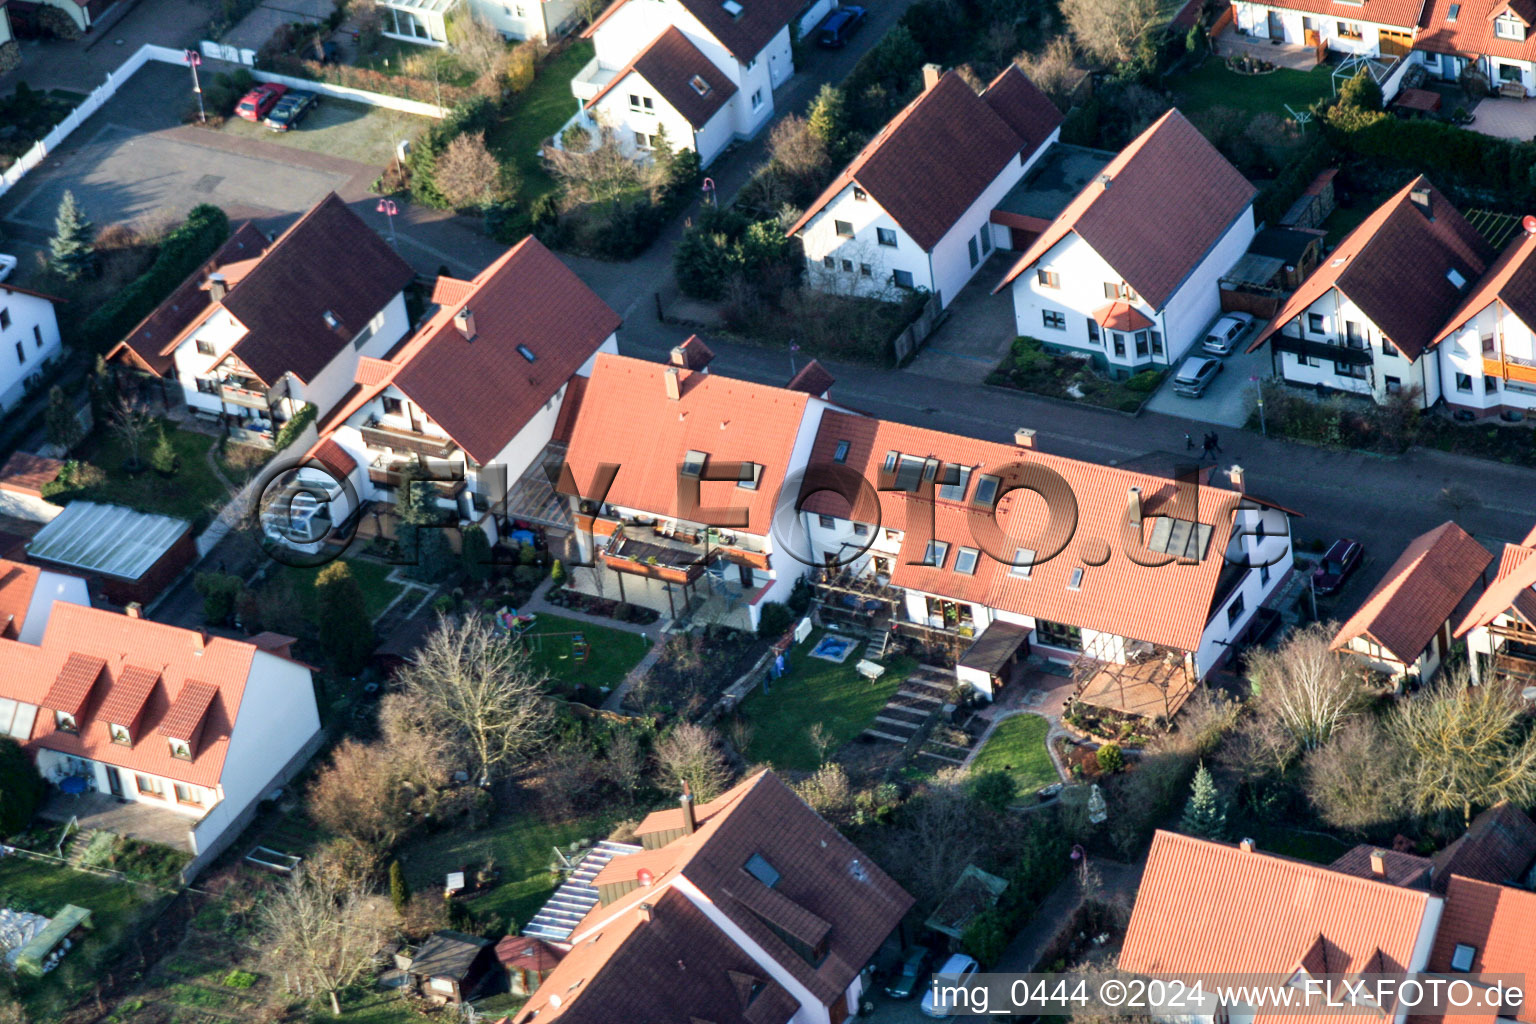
{"type": "Point", "coordinates": [644, 912]}
{"type": "Point", "coordinates": [464, 320]}
{"type": "Point", "coordinates": [1104, 181]}
{"type": "Point", "coordinates": [1379, 863]}
{"type": "Point", "coordinates": [679, 357]}
{"type": "Point", "coordinates": [1246, 845]}
{"type": "Point", "coordinates": [1238, 478]}
{"type": "Point", "coordinates": [217, 287]}
{"type": "Point", "coordinates": [1420, 197]}
{"type": "Point", "coordinates": [1133, 506]}
{"type": "Point", "coordinates": [134, 610]}
{"type": "Point", "coordinates": [674, 384]}
{"type": "Point", "coordinates": [1024, 437]}
{"type": "Point", "coordinates": [686, 801]}
{"type": "Point", "coordinates": [931, 75]}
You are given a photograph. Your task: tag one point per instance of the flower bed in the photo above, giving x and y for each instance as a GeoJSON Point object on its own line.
{"type": "Point", "coordinates": [1030, 366]}
{"type": "Point", "coordinates": [619, 611]}
{"type": "Point", "coordinates": [693, 669]}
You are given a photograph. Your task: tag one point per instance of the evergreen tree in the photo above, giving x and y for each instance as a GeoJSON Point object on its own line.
{"type": "Point", "coordinates": [162, 457]}
{"type": "Point", "coordinates": [828, 119]}
{"type": "Point", "coordinates": [1361, 92]}
{"type": "Point", "coordinates": [1205, 815]}
{"type": "Point", "coordinates": [345, 632]}
{"type": "Point", "coordinates": [399, 891]}
{"type": "Point", "coordinates": [63, 426]}
{"type": "Point", "coordinates": [423, 541]}
{"type": "Point", "coordinates": [476, 555]}
{"type": "Point", "coordinates": [70, 250]}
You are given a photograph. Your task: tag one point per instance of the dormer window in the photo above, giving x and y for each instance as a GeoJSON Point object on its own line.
{"type": "Point", "coordinates": [699, 85]}
{"type": "Point", "coordinates": [693, 463]}
{"type": "Point", "coordinates": [180, 749]}
{"type": "Point", "coordinates": [1507, 26]}
{"type": "Point", "coordinates": [751, 473]}
{"type": "Point", "coordinates": [120, 735]}
{"type": "Point", "coordinates": [65, 722]}
{"type": "Point", "coordinates": [890, 461]}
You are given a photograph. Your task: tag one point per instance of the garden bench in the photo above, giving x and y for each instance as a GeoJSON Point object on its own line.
{"type": "Point", "coordinates": [870, 670]}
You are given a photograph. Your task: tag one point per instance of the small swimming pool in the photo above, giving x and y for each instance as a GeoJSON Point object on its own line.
{"type": "Point", "coordinates": [833, 648]}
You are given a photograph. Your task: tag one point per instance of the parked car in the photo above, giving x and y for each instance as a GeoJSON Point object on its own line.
{"type": "Point", "coordinates": [1337, 563]}
{"type": "Point", "coordinates": [7, 264]}
{"type": "Point", "coordinates": [838, 27]}
{"type": "Point", "coordinates": [913, 969]}
{"type": "Point", "coordinates": [957, 970]}
{"type": "Point", "coordinates": [1195, 376]}
{"type": "Point", "coordinates": [290, 110]}
{"type": "Point", "coordinates": [1226, 332]}
{"type": "Point", "coordinates": [257, 103]}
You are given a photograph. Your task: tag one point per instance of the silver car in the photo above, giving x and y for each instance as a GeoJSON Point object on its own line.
{"type": "Point", "coordinates": [1226, 333]}
{"type": "Point", "coordinates": [1195, 376]}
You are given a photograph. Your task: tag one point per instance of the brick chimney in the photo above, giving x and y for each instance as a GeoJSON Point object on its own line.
{"type": "Point", "coordinates": [1246, 845]}
{"type": "Point", "coordinates": [1238, 478]}
{"type": "Point", "coordinates": [1379, 863]}
{"type": "Point", "coordinates": [1024, 437]}
{"type": "Point", "coordinates": [217, 287]}
{"type": "Point", "coordinates": [134, 610]}
{"type": "Point", "coordinates": [1133, 506]}
{"type": "Point", "coordinates": [464, 320]}
{"type": "Point", "coordinates": [931, 75]}
{"type": "Point", "coordinates": [686, 802]}
{"type": "Point", "coordinates": [674, 384]}
{"type": "Point", "coordinates": [643, 911]}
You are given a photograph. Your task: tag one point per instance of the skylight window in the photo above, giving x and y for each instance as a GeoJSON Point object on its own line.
{"type": "Point", "coordinates": [954, 481]}
{"type": "Point", "coordinates": [1076, 581]}
{"type": "Point", "coordinates": [699, 85]}
{"type": "Point", "coordinates": [1179, 537]}
{"type": "Point", "coordinates": [758, 867]}
{"type": "Point", "coordinates": [693, 463]}
{"type": "Point", "coordinates": [986, 489]}
{"type": "Point", "coordinates": [330, 320]}
{"type": "Point", "coordinates": [935, 554]}
{"type": "Point", "coordinates": [965, 561]}
{"type": "Point", "coordinates": [526, 353]}
{"type": "Point", "coordinates": [1454, 276]}
{"type": "Point", "coordinates": [1453, 13]}
{"type": "Point", "coordinates": [1461, 958]}
{"type": "Point", "coordinates": [732, 8]}
{"type": "Point", "coordinates": [910, 472]}
{"type": "Point", "coordinates": [890, 461]}
{"type": "Point", "coordinates": [751, 473]}
{"type": "Point", "coordinates": [841, 455]}
{"type": "Point", "coordinates": [1023, 563]}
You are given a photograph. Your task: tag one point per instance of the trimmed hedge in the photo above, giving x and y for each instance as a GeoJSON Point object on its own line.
{"type": "Point", "coordinates": [401, 86]}
{"type": "Point", "coordinates": [289, 432]}
{"type": "Point", "coordinates": [183, 251]}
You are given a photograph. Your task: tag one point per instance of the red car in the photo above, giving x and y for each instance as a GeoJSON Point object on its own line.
{"type": "Point", "coordinates": [1336, 565]}
{"type": "Point", "coordinates": [259, 101]}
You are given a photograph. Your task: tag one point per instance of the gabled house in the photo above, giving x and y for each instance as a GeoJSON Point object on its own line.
{"type": "Point", "coordinates": [1404, 626]}
{"type": "Point", "coordinates": [544, 20]}
{"type": "Point", "coordinates": [197, 727]}
{"type": "Point", "coordinates": [29, 338]}
{"type": "Point", "coordinates": [472, 399]}
{"type": "Point", "coordinates": [1498, 37]}
{"type": "Point", "coordinates": [684, 522]}
{"type": "Point", "coordinates": [1498, 847]}
{"type": "Point", "coordinates": [27, 595]}
{"type": "Point", "coordinates": [749, 909]}
{"type": "Point", "coordinates": [1487, 347]}
{"type": "Point", "coordinates": [1487, 929]}
{"type": "Point", "coordinates": [906, 213]}
{"type": "Point", "coordinates": [1371, 28]}
{"type": "Point", "coordinates": [1501, 627]}
{"type": "Point", "coordinates": [1128, 274]}
{"type": "Point", "coordinates": [266, 327]}
{"type": "Point", "coordinates": [947, 543]}
{"type": "Point", "coordinates": [1365, 320]}
{"type": "Point", "coordinates": [706, 70]}
{"type": "Point", "coordinates": [1207, 908]}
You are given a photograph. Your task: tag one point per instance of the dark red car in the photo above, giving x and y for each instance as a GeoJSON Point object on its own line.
{"type": "Point", "coordinates": [1340, 560]}
{"type": "Point", "coordinates": [259, 101]}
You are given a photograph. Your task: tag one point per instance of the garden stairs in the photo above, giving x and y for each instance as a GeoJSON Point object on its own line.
{"type": "Point", "coordinates": [563, 911]}
{"type": "Point", "coordinates": [79, 842]}
{"type": "Point", "coordinates": [922, 695]}
{"type": "Point", "coordinates": [875, 649]}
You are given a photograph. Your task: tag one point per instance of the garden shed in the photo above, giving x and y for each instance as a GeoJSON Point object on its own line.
{"type": "Point", "coordinates": [449, 966]}
{"type": "Point", "coordinates": [127, 554]}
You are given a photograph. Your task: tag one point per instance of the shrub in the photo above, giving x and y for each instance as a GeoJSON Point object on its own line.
{"type": "Point", "coordinates": [399, 889]}
{"type": "Point", "coordinates": [557, 571]}
{"type": "Point", "coordinates": [21, 787]}
{"type": "Point", "coordinates": [476, 555]}
{"type": "Point", "coordinates": [474, 115]}
{"type": "Point", "coordinates": [1361, 92]}
{"type": "Point", "coordinates": [221, 595]}
{"type": "Point", "coordinates": [527, 576]}
{"type": "Point", "coordinates": [774, 620]}
{"type": "Point", "coordinates": [623, 611]}
{"type": "Point", "coordinates": [162, 457]}
{"type": "Point", "coordinates": [239, 979]}
{"type": "Point", "coordinates": [1145, 382]}
{"type": "Point", "coordinates": [995, 788]}
{"type": "Point", "coordinates": [289, 432]}
{"type": "Point", "coordinates": [1111, 758]}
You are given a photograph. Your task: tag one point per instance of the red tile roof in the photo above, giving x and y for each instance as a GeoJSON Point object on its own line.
{"type": "Point", "coordinates": [910, 170]}
{"type": "Point", "coordinates": [151, 343]}
{"type": "Point", "coordinates": [123, 643]}
{"type": "Point", "coordinates": [333, 457]}
{"type": "Point", "coordinates": [695, 354]}
{"type": "Point", "coordinates": [1122, 316]}
{"type": "Point", "coordinates": [17, 582]}
{"type": "Point", "coordinates": [1401, 868]}
{"type": "Point", "coordinates": [626, 419]}
{"type": "Point", "coordinates": [1395, 266]}
{"type": "Point", "coordinates": [1511, 588]}
{"type": "Point", "coordinates": [482, 392]}
{"type": "Point", "coordinates": [371, 371]}
{"type": "Point", "coordinates": [126, 697]}
{"type": "Point", "coordinates": [1471, 34]}
{"type": "Point", "coordinates": [1419, 592]}
{"type": "Point", "coordinates": [1510, 280]}
{"type": "Point", "coordinates": [1164, 604]}
{"type": "Point", "coordinates": [1498, 922]}
{"type": "Point", "coordinates": [1171, 197]}
{"type": "Point", "coordinates": [25, 473]}
{"type": "Point", "coordinates": [570, 405]}
{"type": "Point", "coordinates": [185, 716]}
{"type": "Point", "coordinates": [526, 953]}
{"type": "Point", "coordinates": [1402, 14]}
{"type": "Point", "coordinates": [1269, 912]}
{"type": "Point", "coordinates": [813, 379]}
{"type": "Point", "coordinates": [744, 35]}
{"type": "Point", "coordinates": [73, 685]}
{"type": "Point", "coordinates": [1498, 847]}
{"type": "Point", "coordinates": [670, 63]}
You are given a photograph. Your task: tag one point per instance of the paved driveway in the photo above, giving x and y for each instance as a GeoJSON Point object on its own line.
{"type": "Point", "coordinates": [1229, 398]}
{"type": "Point", "coordinates": [978, 331]}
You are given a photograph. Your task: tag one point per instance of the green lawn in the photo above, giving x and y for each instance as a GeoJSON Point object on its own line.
{"type": "Point", "coordinates": [192, 493]}
{"type": "Point", "coordinates": [1213, 84]}
{"type": "Point", "coordinates": [611, 653]}
{"type": "Point", "coordinates": [1017, 746]}
{"type": "Point", "coordinates": [537, 115]}
{"type": "Point", "coordinates": [814, 690]}
{"type": "Point", "coordinates": [370, 575]}
{"type": "Point", "coordinates": [521, 846]}
{"type": "Point", "coordinates": [42, 887]}
{"type": "Point", "coordinates": [396, 57]}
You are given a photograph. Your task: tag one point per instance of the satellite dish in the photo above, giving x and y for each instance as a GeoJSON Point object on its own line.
{"type": "Point", "coordinates": [644, 876]}
{"type": "Point", "coordinates": [1529, 223]}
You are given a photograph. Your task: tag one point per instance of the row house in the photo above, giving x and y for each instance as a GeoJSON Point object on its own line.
{"type": "Point", "coordinates": [470, 402]}
{"type": "Point", "coordinates": [674, 474]}
{"type": "Point", "coordinates": [1488, 345]}
{"type": "Point", "coordinates": [761, 910]}
{"type": "Point", "coordinates": [266, 327]}
{"type": "Point", "coordinates": [1128, 274]}
{"type": "Point", "coordinates": [905, 213]}
{"type": "Point", "coordinates": [1403, 628]}
{"type": "Point", "coordinates": [705, 70]}
{"type": "Point", "coordinates": [990, 553]}
{"type": "Point", "coordinates": [1500, 629]}
{"type": "Point", "coordinates": [198, 727]}
{"type": "Point", "coordinates": [1371, 28]}
{"type": "Point", "coordinates": [29, 339]}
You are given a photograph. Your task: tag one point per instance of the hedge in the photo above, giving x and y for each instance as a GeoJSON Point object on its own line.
{"type": "Point", "coordinates": [402, 86]}
{"type": "Point", "coordinates": [183, 251]}
{"type": "Point", "coordinates": [289, 432]}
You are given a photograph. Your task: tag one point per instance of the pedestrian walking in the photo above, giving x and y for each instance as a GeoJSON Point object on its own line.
{"type": "Point", "coordinates": [1215, 442]}
{"type": "Point", "coordinates": [1189, 443]}
{"type": "Point", "coordinates": [1205, 449]}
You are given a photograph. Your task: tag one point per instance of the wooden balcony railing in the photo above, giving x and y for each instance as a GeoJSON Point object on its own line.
{"type": "Point", "coordinates": [248, 397]}
{"type": "Point", "coordinates": [377, 435]}
{"type": "Point", "coordinates": [1511, 368]}
{"type": "Point", "coordinates": [386, 475]}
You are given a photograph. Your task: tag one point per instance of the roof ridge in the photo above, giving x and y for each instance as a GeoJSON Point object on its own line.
{"type": "Point", "coordinates": [1233, 851]}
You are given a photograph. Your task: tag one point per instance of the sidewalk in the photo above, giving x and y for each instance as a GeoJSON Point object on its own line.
{"type": "Point", "coordinates": [80, 65]}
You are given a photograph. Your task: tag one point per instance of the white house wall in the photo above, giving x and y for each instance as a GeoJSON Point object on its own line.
{"type": "Point", "coordinates": [820, 240]}
{"type": "Point", "coordinates": [1257, 583]}
{"type": "Point", "coordinates": [615, 111]}
{"type": "Point", "coordinates": [50, 587]}
{"type": "Point", "coordinates": [1462, 352]}
{"type": "Point", "coordinates": [1337, 310]}
{"type": "Point", "coordinates": [54, 766]}
{"type": "Point", "coordinates": [221, 330]}
{"type": "Point", "coordinates": [1254, 19]}
{"type": "Point", "coordinates": [1191, 308]}
{"type": "Point", "coordinates": [526, 19]}
{"type": "Point", "coordinates": [336, 379]}
{"type": "Point", "coordinates": [37, 349]}
{"type": "Point", "coordinates": [1083, 274]}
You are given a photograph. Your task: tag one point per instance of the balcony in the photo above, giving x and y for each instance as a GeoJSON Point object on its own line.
{"type": "Point", "coordinates": [377, 435]}
{"type": "Point", "coordinates": [1511, 368]}
{"type": "Point", "coordinates": [388, 474]}
{"type": "Point", "coordinates": [589, 81]}
{"type": "Point", "coordinates": [1321, 350]}
{"type": "Point", "coordinates": [634, 551]}
{"type": "Point", "coordinates": [240, 394]}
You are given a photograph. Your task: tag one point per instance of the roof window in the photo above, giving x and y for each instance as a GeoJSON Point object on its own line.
{"type": "Point", "coordinates": [699, 85]}
{"type": "Point", "coordinates": [841, 455]}
{"type": "Point", "coordinates": [1452, 14]}
{"type": "Point", "coordinates": [954, 481]}
{"type": "Point", "coordinates": [965, 561]}
{"type": "Point", "coordinates": [732, 8]}
{"type": "Point", "coordinates": [1461, 957]}
{"type": "Point", "coordinates": [1023, 563]}
{"type": "Point", "coordinates": [526, 353]}
{"type": "Point", "coordinates": [750, 474]}
{"type": "Point", "coordinates": [1181, 538]}
{"type": "Point", "coordinates": [935, 554]}
{"type": "Point", "coordinates": [758, 867]}
{"type": "Point", "coordinates": [986, 489]}
{"type": "Point", "coordinates": [890, 461]}
{"type": "Point", "coordinates": [693, 463]}
{"type": "Point", "coordinates": [330, 320]}
{"type": "Point", "coordinates": [1454, 276]}
{"type": "Point", "coordinates": [1076, 580]}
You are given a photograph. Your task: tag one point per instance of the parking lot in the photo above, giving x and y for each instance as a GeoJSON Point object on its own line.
{"type": "Point", "coordinates": [1230, 396]}
{"type": "Point", "coordinates": [355, 131]}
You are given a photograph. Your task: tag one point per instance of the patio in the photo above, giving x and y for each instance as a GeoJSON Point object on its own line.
{"type": "Point", "coordinates": [134, 819]}
{"type": "Point", "coordinates": [1155, 687]}
{"type": "Point", "coordinates": [1232, 43]}
{"type": "Point", "coordinates": [1505, 119]}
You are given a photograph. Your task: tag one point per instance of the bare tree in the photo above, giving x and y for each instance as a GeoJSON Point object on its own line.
{"type": "Point", "coordinates": [1305, 685]}
{"type": "Point", "coordinates": [328, 933]}
{"type": "Point", "coordinates": [132, 423]}
{"type": "Point", "coordinates": [477, 44]}
{"type": "Point", "coordinates": [935, 838]}
{"type": "Point", "coordinates": [624, 765]}
{"type": "Point", "coordinates": [1465, 746]}
{"type": "Point", "coordinates": [603, 173]}
{"type": "Point", "coordinates": [1053, 70]}
{"type": "Point", "coordinates": [1109, 30]}
{"type": "Point", "coordinates": [828, 792]}
{"type": "Point", "coordinates": [821, 740]}
{"type": "Point", "coordinates": [571, 776]}
{"type": "Point", "coordinates": [1355, 780]}
{"type": "Point", "coordinates": [690, 753]}
{"type": "Point", "coordinates": [466, 173]}
{"type": "Point", "coordinates": [797, 150]}
{"type": "Point", "coordinates": [481, 691]}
